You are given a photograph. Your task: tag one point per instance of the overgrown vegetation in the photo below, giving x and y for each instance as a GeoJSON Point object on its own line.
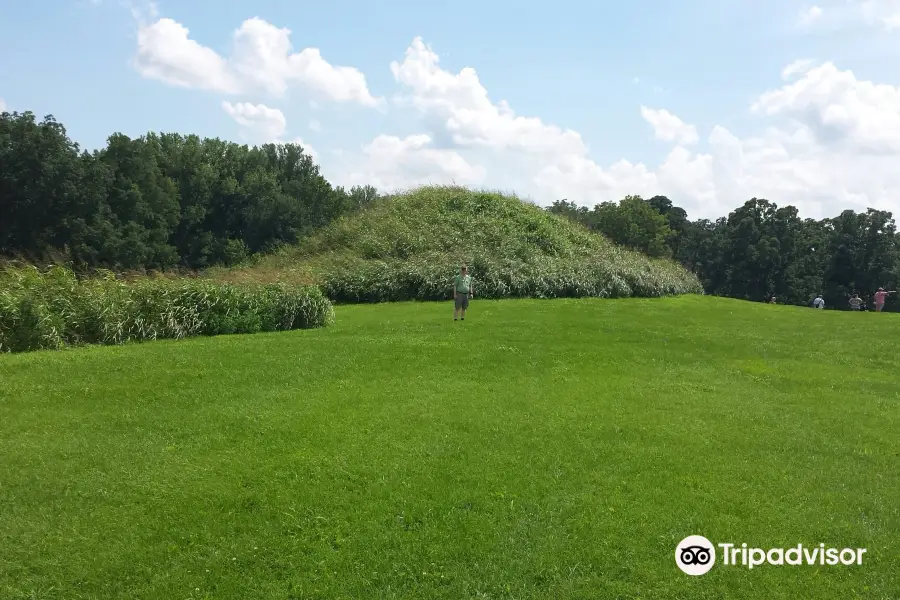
{"type": "Point", "coordinates": [53, 309]}
{"type": "Point", "coordinates": [409, 246]}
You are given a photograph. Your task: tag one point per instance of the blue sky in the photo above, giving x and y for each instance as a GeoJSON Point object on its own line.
{"type": "Point", "coordinates": [580, 66]}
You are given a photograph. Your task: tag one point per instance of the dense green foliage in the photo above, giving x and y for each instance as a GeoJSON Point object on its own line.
{"type": "Point", "coordinates": [163, 201]}
{"type": "Point", "coordinates": [760, 250]}
{"type": "Point", "coordinates": [155, 202]}
{"type": "Point", "coordinates": [540, 450]}
{"type": "Point", "coordinates": [53, 309]}
{"type": "Point", "coordinates": [409, 246]}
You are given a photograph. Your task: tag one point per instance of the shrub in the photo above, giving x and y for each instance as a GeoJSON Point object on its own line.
{"type": "Point", "coordinates": [53, 308]}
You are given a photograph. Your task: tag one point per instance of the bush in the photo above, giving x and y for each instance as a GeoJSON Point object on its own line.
{"type": "Point", "coordinates": [53, 309]}
{"type": "Point", "coordinates": [356, 281]}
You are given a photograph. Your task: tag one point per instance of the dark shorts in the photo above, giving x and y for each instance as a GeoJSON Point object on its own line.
{"type": "Point", "coordinates": [462, 301]}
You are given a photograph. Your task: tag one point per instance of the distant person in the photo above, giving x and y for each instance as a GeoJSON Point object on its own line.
{"type": "Point", "coordinates": [855, 302]}
{"type": "Point", "coordinates": [880, 297]}
{"type": "Point", "coordinates": [772, 301]}
{"type": "Point", "coordinates": [819, 302]}
{"type": "Point", "coordinates": [462, 291]}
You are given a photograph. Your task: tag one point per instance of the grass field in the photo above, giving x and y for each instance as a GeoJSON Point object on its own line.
{"type": "Point", "coordinates": [540, 449]}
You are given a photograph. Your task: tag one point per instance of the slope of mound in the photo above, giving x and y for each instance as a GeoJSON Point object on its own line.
{"type": "Point", "coordinates": [410, 245]}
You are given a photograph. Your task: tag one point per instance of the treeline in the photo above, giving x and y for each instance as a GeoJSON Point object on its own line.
{"type": "Point", "coordinates": [164, 201]}
{"type": "Point", "coordinates": [760, 250]}
{"type": "Point", "coordinates": [155, 202]}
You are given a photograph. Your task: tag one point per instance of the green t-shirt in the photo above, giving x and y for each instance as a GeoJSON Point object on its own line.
{"type": "Point", "coordinates": [463, 283]}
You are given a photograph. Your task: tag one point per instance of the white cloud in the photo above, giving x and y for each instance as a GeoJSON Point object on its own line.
{"type": "Point", "coordinates": [2, 105]}
{"type": "Point", "coordinates": [507, 151]}
{"type": "Point", "coordinates": [840, 111]}
{"type": "Point", "coordinates": [668, 127]}
{"type": "Point", "coordinates": [260, 124]}
{"type": "Point", "coordinates": [828, 142]}
{"type": "Point", "coordinates": [810, 15]}
{"type": "Point", "coordinates": [391, 163]}
{"type": "Point", "coordinates": [469, 115]}
{"type": "Point", "coordinates": [261, 60]}
{"type": "Point", "coordinates": [315, 125]}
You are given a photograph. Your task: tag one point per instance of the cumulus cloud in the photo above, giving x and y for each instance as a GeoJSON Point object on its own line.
{"type": "Point", "coordinates": [2, 105]}
{"type": "Point", "coordinates": [828, 141]}
{"type": "Point", "coordinates": [260, 124]}
{"type": "Point", "coordinates": [391, 163]}
{"type": "Point", "coordinates": [261, 60]}
{"type": "Point", "coordinates": [668, 127]}
{"type": "Point", "coordinates": [841, 112]}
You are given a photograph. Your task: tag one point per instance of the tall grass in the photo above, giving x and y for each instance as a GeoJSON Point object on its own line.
{"type": "Point", "coordinates": [52, 309]}
{"type": "Point", "coordinates": [410, 246]}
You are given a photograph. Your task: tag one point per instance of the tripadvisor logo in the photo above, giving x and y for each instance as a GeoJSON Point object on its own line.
{"type": "Point", "coordinates": [696, 555]}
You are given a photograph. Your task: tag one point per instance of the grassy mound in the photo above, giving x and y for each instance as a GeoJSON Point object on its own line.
{"type": "Point", "coordinates": [409, 246]}
{"type": "Point", "coordinates": [52, 309]}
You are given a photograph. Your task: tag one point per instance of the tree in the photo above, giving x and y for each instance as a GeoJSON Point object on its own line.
{"type": "Point", "coordinates": [862, 254]}
{"type": "Point", "coordinates": [156, 201]}
{"type": "Point", "coordinates": [635, 224]}
{"type": "Point", "coordinates": [676, 217]}
{"type": "Point", "coordinates": [40, 173]}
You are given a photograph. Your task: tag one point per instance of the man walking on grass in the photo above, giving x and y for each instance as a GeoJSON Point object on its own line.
{"type": "Point", "coordinates": [462, 291]}
{"type": "Point", "coordinates": [880, 297]}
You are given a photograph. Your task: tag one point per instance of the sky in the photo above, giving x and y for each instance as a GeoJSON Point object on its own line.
{"type": "Point", "coordinates": [708, 102]}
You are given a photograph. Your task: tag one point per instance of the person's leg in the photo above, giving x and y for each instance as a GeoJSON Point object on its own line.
{"type": "Point", "coordinates": [878, 307]}
{"type": "Point", "coordinates": [457, 305]}
{"type": "Point", "coordinates": [465, 306]}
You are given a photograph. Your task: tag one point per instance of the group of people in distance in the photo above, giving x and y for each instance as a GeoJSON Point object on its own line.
{"type": "Point", "coordinates": [880, 296]}
{"type": "Point", "coordinates": [856, 303]}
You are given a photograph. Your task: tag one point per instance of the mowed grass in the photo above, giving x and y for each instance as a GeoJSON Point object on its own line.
{"type": "Point", "coordinates": [540, 449]}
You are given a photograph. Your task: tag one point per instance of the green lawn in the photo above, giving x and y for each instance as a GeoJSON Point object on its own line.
{"type": "Point", "coordinates": [540, 449]}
